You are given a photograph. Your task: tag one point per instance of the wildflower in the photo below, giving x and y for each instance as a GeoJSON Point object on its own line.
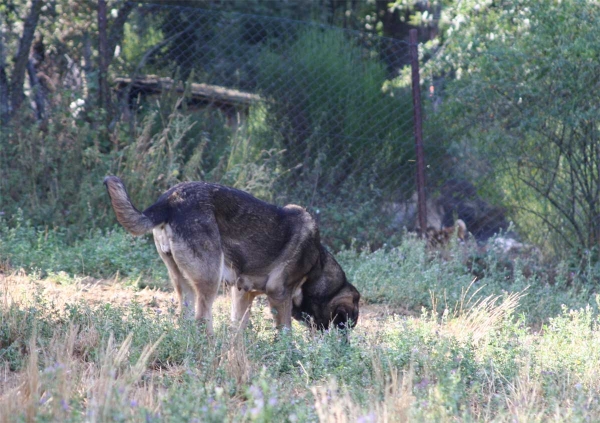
{"type": "Point", "coordinates": [369, 418]}
{"type": "Point", "coordinates": [255, 391]}
{"type": "Point", "coordinates": [44, 399]}
{"type": "Point", "coordinates": [254, 412]}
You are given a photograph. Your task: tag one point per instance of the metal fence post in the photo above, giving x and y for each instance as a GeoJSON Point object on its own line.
{"type": "Point", "coordinates": [416, 95]}
{"type": "Point", "coordinates": [103, 93]}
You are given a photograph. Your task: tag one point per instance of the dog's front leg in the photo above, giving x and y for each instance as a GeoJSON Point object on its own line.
{"type": "Point", "coordinates": [280, 298]}
{"type": "Point", "coordinates": [282, 311]}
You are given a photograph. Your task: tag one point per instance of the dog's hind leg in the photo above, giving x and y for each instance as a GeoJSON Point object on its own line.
{"type": "Point", "coordinates": [196, 248]}
{"type": "Point", "coordinates": [206, 293]}
{"type": "Point", "coordinates": [202, 274]}
{"type": "Point", "coordinates": [186, 294]}
{"type": "Point", "coordinates": [183, 289]}
{"type": "Point", "coordinates": [241, 302]}
{"type": "Point", "coordinates": [203, 282]}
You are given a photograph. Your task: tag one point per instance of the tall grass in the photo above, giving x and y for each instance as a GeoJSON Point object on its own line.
{"type": "Point", "coordinates": [52, 176]}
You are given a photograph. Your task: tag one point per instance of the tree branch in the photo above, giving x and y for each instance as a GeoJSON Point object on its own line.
{"type": "Point", "coordinates": [38, 91]}
{"type": "Point", "coordinates": [103, 93]}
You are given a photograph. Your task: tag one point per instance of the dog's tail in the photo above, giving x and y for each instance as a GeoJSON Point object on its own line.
{"type": "Point", "coordinates": [131, 218]}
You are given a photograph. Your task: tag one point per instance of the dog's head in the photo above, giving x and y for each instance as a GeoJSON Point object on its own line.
{"type": "Point", "coordinates": [328, 298]}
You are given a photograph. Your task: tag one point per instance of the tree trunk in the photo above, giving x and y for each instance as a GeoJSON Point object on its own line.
{"type": "Point", "coordinates": [39, 96]}
{"type": "Point", "coordinates": [115, 35]}
{"type": "Point", "coordinates": [22, 58]}
{"type": "Point", "coordinates": [4, 92]}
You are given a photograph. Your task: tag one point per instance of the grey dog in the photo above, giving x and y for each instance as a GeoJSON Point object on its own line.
{"type": "Point", "coordinates": [207, 233]}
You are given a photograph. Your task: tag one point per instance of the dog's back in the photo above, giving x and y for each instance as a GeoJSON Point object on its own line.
{"type": "Point", "coordinates": [252, 233]}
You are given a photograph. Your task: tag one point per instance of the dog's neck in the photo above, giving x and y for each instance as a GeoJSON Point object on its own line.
{"type": "Point", "coordinates": [318, 284]}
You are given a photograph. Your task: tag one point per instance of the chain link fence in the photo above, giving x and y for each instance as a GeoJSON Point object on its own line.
{"type": "Point", "coordinates": [292, 111]}
{"type": "Point", "coordinates": [331, 104]}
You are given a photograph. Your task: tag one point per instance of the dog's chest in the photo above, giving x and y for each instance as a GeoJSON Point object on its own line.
{"type": "Point", "coordinates": [245, 282]}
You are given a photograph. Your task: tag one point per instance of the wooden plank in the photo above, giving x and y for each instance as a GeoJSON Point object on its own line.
{"type": "Point", "coordinates": [198, 91]}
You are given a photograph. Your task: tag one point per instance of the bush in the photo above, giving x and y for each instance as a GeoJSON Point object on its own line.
{"type": "Point", "coordinates": [522, 124]}
{"type": "Point", "coordinates": [54, 176]}
{"type": "Point", "coordinates": [411, 277]}
{"type": "Point", "coordinates": [347, 125]}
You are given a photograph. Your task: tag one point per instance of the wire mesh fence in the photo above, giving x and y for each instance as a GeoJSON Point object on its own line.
{"type": "Point", "coordinates": [326, 100]}
{"type": "Point", "coordinates": [290, 110]}
{"type": "Point", "coordinates": [320, 86]}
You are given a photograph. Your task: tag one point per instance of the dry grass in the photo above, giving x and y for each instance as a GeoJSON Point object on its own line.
{"type": "Point", "coordinates": [453, 372]}
{"type": "Point", "coordinates": [474, 318]}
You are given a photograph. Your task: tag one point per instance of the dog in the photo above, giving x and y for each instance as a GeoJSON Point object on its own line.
{"type": "Point", "coordinates": [207, 233]}
{"type": "Point", "coordinates": [437, 238]}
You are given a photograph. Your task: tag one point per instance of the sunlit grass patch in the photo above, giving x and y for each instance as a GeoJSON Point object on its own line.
{"type": "Point", "coordinates": [75, 360]}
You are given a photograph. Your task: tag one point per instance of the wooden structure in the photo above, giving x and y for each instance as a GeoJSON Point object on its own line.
{"type": "Point", "coordinates": [233, 103]}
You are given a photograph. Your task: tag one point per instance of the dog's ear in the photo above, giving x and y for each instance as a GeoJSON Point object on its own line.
{"type": "Point", "coordinates": [345, 307]}
{"type": "Point", "coordinates": [344, 317]}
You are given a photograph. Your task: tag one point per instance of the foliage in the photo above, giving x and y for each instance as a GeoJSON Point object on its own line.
{"type": "Point", "coordinates": [328, 132]}
{"type": "Point", "coordinates": [101, 254]}
{"type": "Point", "coordinates": [51, 174]}
{"type": "Point", "coordinates": [54, 174]}
{"type": "Point", "coordinates": [408, 276]}
{"type": "Point", "coordinates": [521, 123]}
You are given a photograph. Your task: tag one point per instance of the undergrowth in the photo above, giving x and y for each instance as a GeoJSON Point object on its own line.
{"type": "Point", "coordinates": [102, 254]}
{"type": "Point", "coordinates": [490, 337]}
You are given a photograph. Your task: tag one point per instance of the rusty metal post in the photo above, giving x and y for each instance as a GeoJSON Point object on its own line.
{"type": "Point", "coordinates": [416, 95]}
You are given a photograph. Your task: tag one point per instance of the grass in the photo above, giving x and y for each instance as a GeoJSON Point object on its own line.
{"type": "Point", "coordinates": [101, 254]}
{"type": "Point", "coordinates": [460, 334]}
{"type": "Point", "coordinates": [403, 276]}
{"type": "Point", "coordinates": [69, 360]}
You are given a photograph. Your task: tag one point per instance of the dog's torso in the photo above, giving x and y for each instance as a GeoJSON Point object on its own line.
{"type": "Point", "coordinates": [256, 241]}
